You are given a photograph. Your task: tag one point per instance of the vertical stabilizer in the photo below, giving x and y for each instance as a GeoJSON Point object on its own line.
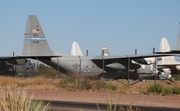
{"type": "Point", "coordinates": [105, 51]}
{"type": "Point", "coordinates": [35, 42]}
{"type": "Point", "coordinates": [178, 43]}
{"type": "Point", "coordinates": [75, 50]}
{"type": "Point", "coordinates": [164, 47]}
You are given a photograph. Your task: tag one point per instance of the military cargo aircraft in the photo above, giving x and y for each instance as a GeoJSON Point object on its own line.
{"type": "Point", "coordinates": [37, 47]}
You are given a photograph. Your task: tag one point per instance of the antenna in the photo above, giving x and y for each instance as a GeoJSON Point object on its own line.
{"type": "Point", "coordinates": [178, 42]}
{"type": "Point", "coordinates": [135, 51]}
{"type": "Point", "coordinates": [86, 52]}
{"type": "Point", "coordinates": [153, 50]}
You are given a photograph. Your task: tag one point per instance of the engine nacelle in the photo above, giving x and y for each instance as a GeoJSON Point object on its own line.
{"type": "Point", "coordinates": [115, 66]}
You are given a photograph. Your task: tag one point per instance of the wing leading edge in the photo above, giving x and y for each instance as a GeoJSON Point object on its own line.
{"type": "Point", "coordinates": [129, 57]}
{"type": "Point", "coordinates": [31, 57]}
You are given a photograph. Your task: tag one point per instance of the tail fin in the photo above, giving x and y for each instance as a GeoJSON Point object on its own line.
{"type": "Point", "coordinates": [75, 50]}
{"type": "Point", "coordinates": [178, 43]}
{"type": "Point", "coordinates": [164, 47]}
{"type": "Point", "coordinates": [105, 51]}
{"type": "Point", "coordinates": [35, 43]}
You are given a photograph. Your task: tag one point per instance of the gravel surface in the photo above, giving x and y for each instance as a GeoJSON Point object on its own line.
{"type": "Point", "coordinates": [128, 99]}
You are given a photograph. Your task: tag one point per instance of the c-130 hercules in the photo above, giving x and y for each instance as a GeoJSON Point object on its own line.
{"type": "Point", "coordinates": [36, 46]}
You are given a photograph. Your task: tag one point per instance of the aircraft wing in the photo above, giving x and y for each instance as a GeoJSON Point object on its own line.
{"type": "Point", "coordinates": [132, 57]}
{"type": "Point", "coordinates": [31, 57]}
{"type": "Point", "coordinates": [169, 52]}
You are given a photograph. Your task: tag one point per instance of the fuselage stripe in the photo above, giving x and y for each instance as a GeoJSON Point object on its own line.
{"type": "Point", "coordinates": [35, 38]}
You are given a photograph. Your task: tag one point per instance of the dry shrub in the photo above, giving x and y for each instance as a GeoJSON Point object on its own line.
{"type": "Point", "coordinates": [35, 82]}
{"type": "Point", "coordinates": [78, 84]}
{"type": "Point", "coordinates": [6, 80]}
{"type": "Point", "coordinates": [13, 99]}
{"type": "Point", "coordinates": [75, 83]}
{"type": "Point", "coordinates": [39, 81]}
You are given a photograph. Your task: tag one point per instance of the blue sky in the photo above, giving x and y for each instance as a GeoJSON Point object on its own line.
{"type": "Point", "coordinates": [121, 25]}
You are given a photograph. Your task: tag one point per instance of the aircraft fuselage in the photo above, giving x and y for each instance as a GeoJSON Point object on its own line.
{"type": "Point", "coordinates": [85, 66]}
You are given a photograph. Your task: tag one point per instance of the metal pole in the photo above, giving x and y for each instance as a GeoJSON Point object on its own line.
{"type": "Point", "coordinates": [103, 62]}
{"type": "Point", "coordinates": [86, 52]}
{"type": "Point", "coordinates": [128, 68]}
{"type": "Point", "coordinates": [135, 51]}
{"type": "Point", "coordinates": [102, 53]}
{"type": "Point", "coordinates": [178, 45]}
{"type": "Point", "coordinates": [154, 66]}
{"type": "Point", "coordinates": [58, 64]}
{"type": "Point", "coordinates": [79, 65]}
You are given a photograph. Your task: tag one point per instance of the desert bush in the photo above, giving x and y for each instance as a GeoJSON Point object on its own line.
{"type": "Point", "coordinates": [13, 99]}
{"type": "Point", "coordinates": [76, 83]}
{"type": "Point", "coordinates": [113, 106]}
{"type": "Point", "coordinates": [100, 84]}
{"type": "Point", "coordinates": [85, 84]}
{"type": "Point", "coordinates": [111, 86]}
{"type": "Point", "coordinates": [47, 71]}
{"type": "Point", "coordinates": [168, 91]}
{"type": "Point", "coordinates": [155, 88]}
{"type": "Point", "coordinates": [68, 81]}
{"type": "Point", "coordinates": [103, 85]}
{"type": "Point", "coordinates": [176, 90]}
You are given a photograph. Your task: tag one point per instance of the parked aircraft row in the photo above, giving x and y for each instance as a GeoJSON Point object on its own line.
{"type": "Point", "coordinates": [36, 46]}
{"type": "Point", "coordinates": [166, 65]}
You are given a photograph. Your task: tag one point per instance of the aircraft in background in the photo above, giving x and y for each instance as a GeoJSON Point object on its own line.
{"type": "Point", "coordinates": [105, 51]}
{"type": "Point", "coordinates": [168, 62]}
{"type": "Point", "coordinates": [17, 67]}
{"type": "Point", "coordinates": [36, 46]}
{"type": "Point", "coordinates": [75, 50]}
{"type": "Point", "coordinates": [172, 51]}
{"type": "Point", "coordinates": [163, 72]}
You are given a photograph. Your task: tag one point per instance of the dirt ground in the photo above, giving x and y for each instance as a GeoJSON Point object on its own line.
{"type": "Point", "coordinates": [134, 94]}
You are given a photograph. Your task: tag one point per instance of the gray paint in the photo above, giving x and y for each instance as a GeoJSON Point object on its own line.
{"type": "Point", "coordinates": [37, 45]}
{"type": "Point", "coordinates": [17, 67]}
